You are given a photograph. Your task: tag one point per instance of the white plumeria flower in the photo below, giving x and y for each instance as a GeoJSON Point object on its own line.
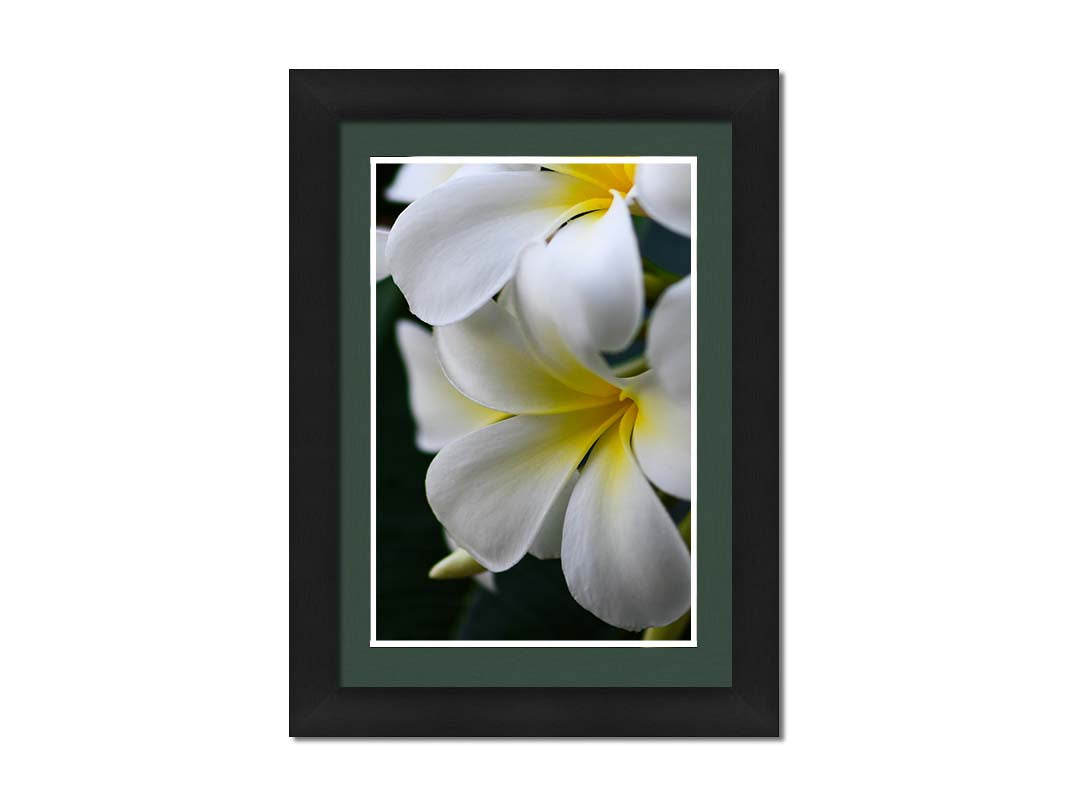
{"type": "Point", "coordinates": [510, 488]}
{"type": "Point", "coordinates": [456, 246]}
{"type": "Point", "coordinates": [443, 415]}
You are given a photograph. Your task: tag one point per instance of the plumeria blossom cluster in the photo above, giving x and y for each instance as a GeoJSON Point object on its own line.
{"type": "Point", "coordinates": [529, 274]}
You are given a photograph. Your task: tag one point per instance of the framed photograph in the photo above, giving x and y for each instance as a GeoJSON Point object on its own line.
{"type": "Point", "coordinates": [534, 403]}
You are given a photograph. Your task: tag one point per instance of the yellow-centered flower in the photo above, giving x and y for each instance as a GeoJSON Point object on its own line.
{"type": "Point", "coordinates": [511, 487]}
{"type": "Point", "coordinates": [457, 244]}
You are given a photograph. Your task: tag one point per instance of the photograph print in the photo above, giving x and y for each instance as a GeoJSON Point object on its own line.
{"type": "Point", "coordinates": [533, 401]}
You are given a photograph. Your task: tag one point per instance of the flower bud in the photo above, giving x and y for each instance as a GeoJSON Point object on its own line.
{"type": "Point", "coordinates": [459, 564]}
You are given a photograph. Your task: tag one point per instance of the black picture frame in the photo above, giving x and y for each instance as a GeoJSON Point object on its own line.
{"type": "Point", "coordinates": [322, 99]}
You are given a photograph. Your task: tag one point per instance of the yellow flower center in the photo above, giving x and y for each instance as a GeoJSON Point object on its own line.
{"type": "Point", "coordinates": [606, 177]}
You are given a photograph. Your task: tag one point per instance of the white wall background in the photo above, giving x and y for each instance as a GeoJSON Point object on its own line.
{"type": "Point", "coordinates": [144, 424]}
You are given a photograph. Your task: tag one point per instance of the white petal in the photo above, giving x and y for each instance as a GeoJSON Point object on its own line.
{"type": "Point", "coordinates": [486, 358]}
{"type": "Point", "coordinates": [482, 169]}
{"type": "Point", "coordinates": [548, 542]}
{"type": "Point", "coordinates": [669, 339]}
{"type": "Point", "coordinates": [555, 326]}
{"type": "Point", "coordinates": [380, 269]}
{"type": "Point", "coordinates": [412, 181]}
{"type": "Point", "coordinates": [622, 555]}
{"type": "Point", "coordinates": [454, 248]}
{"type": "Point", "coordinates": [603, 265]}
{"type": "Point", "coordinates": [662, 438]}
{"type": "Point", "coordinates": [663, 190]}
{"type": "Point", "coordinates": [662, 435]}
{"type": "Point", "coordinates": [494, 488]}
{"type": "Point", "coordinates": [441, 413]}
